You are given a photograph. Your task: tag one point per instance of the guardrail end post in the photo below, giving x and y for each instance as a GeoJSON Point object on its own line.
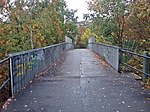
{"type": "Point", "coordinates": [145, 67]}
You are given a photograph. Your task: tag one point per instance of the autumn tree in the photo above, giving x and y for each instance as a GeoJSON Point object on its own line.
{"type": "Point", "coordinates": [109, 15]}
{"type": "Point", "coordinates": [31, 24]}
{"type": "Point", "coordinates": [138, 24]}
{"type": "Point", "coordinates": [70, 23]}
{"type": "Point", "coordinates": [86, 36]}
{"type": "Point", "coordinates": [81, 30]}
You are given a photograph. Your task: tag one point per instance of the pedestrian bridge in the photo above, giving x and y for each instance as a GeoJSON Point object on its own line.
{"type": "Point", "coordinates": [62, 79]}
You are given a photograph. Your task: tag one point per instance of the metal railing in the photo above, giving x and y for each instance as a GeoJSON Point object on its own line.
{"type": "Point", "coordinates": [20, 68]}
{"type": "Point", "coordinates": [118, 57]}
{"type": "Point", "coordinates": [131, 60]}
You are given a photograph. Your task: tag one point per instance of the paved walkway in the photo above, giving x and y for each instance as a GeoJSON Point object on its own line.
{"type": "Point", "coordinates": [81, 83]}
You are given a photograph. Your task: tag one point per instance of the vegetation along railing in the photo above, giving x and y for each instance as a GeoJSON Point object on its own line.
{"type": "Point", "coordinates": [5, 90]}
{"type": "Point", "coordinates": [20, 68]}
{"type": "Point", "coordinates": [117, 58]}
{"type": "Point", "coordinates": [136, 62]}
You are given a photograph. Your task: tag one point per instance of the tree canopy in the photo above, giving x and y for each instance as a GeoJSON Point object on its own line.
{"type": "Point", "coordinates": [121, 22]}
{"type": "Point", "coordinates": [29, 24]}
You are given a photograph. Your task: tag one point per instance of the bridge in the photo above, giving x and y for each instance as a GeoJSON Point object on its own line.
{"type": "Point", "coordinates": [59, 78]}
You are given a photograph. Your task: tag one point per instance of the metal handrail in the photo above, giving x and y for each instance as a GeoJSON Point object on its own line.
{"type": "Point", "coordinates": [135, 69]}
{"type": "Point", "coordinates": [33, 50]}
{"type": "Point", "coordinates": [130, 52]}
{"type": "Point", "coordinates": [146, 59]}
{"type": "Point", "coordinates": [19, 65]}
{"type": "Point", "coordinates": [104, 44]}
{"type": "Point", "coordinates": [4, 83]}
{"type": "Point", "coordinates": [2, 61]}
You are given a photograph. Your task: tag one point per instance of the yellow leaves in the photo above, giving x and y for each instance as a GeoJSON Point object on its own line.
{"type": "Point", "coordinates": [95, 5]}
{"type": "Point", "coordinates": [142, 9]}
{"type": "Point", "coordinates": [100, 39]}
{"type": "Point", "coordinates": [86, 35]}
{"type": "Point", "coordinates": [142, 15]}
{"type": "Point", "coordinates": [26, 29]}
{"type": "Point", "coordinates": [8, 27]}
{"type": "Point", "coordinates": [4, 29]}
{"type": "Point", "coordinates": [1, 31]}
{"type": "Point", "coordinates": [10, 43]}
{"type": "Point", "coordinates": [113, 34]}
{"type": "Point", "coordinates": [38, 40]}
{"type": "Point", "coordinates": [35, 26]}
{"type": "Point", "coordinates": [1, 54]}
{"type": "Point", "coordinates": [16, 13]}
{"type": "Point", "coordinates": [2, 42]}
{"type": "Point", "coordinates": [138, 23]}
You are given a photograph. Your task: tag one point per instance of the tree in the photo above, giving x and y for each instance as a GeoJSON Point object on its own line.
{"type": "Point", "coordinates": [138, 24]}
{"type": "Point", "coordinates": [86, 36]}
{"type": "Point", "coordinates": [70, 23]}
{"type": "Point", "coordinates": [111, 14]}
{"type": "Point", "coordinates": [32, 24]}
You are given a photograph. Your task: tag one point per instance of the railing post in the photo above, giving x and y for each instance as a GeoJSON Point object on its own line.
{"type": "Point", "coordinates": [145, 67]}
{"type": "Point", "coordinates": [120, 60]}
{"type": "Point", "coordinates": [11, 77]}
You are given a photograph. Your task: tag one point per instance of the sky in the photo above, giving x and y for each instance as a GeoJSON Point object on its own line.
{"type": "Point", "coordinates": [81, 5]}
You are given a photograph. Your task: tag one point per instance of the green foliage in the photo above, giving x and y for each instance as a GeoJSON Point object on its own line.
{"type": "Point", "coordinates": [109, 16]}
{"type": "Point", "coordinates": [86, 35]}
{"type": "Point", "coordinates": [138, 24]}
{"type": "Point", "coordinates": [72, 30]}
{"type": "Point", "coordinates": [35, 23]}
{"type": "Point", "coordinates": [125, 23]}
{"type": "Point", "coordinates": [121, 22]}
{"type": "Point", "coordinates": [104, 28]}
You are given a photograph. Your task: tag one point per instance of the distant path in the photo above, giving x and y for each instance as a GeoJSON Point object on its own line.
{"type": "Point", "coordinates": [81, 83]}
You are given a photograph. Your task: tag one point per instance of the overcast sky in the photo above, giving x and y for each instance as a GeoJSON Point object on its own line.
{"type": "Point", "coordinates": [81, 5]}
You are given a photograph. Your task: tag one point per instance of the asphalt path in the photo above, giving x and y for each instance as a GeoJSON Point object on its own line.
{"type": "Point", "coordinates": [81, 82]}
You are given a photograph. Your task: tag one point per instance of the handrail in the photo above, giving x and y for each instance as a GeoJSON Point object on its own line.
{"type": "Point", "coordinates": [1, 61]}
{"type": "Point", "coordinates": [97, 47]}
{"type": "Point", "coordinates": [104, 45]}
{"type": "Point", "coordinates": [26, 64]}
{"type": "Point", "coordinates": [135, 69]}
{"type": "Point", "coordinates": [4, 83]}
{"type": "Point", "coordinates": [146, 59]}
{"type": "Point", "coordinates": [34, 50]}
{"type": "Point", "coordinates": [130, 52]}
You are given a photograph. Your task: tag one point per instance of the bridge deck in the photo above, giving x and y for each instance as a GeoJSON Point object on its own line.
{"type": "Point", "coordinates": [80, 82]}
